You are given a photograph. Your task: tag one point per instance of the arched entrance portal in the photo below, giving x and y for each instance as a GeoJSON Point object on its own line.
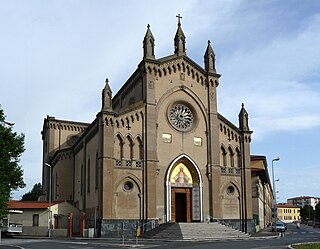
{"type": "Point", "coordinates": [184, 191]}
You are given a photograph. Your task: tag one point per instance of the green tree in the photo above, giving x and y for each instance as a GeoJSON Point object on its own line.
{"type": "Point", "coordinates": [307, 212]}
{"type": "Point", "coordinates": [11, 173]}
{"type": "Point", "coordinates": [33, 194]}
{"type": "Point", "coordinates": [317, 212]}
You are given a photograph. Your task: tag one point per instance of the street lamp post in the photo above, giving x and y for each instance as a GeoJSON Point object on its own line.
{"type": "Point", "coordinates": [49, 214]}
{"type": "Point", "coordinates": [275, 194]}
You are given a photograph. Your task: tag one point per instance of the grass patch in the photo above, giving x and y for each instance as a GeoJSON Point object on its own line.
{"type": "Point", "coordinates": [307, 246]}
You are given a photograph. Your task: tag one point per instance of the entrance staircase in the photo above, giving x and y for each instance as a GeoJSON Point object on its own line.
{"type": "Point", "coordinates": [195, 231]}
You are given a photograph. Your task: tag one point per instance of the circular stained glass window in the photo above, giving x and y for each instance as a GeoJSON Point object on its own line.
{"type": "Point", "coordinates": [181, 116]}
{"type": "Point", "coordinates": [230, 190]}
{"type": "Point", "coordinates": [128, 186]}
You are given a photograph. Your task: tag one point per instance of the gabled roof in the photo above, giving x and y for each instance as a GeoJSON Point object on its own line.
{"type": "Point", "coordinates": [15, 204]}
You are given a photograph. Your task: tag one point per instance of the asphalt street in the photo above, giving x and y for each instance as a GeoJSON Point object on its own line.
{"type": "Point", "coordinates": [293, 235]}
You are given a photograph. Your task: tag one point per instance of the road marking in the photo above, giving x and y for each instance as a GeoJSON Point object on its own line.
{"type": "Point", "coordinates": [71, 242]}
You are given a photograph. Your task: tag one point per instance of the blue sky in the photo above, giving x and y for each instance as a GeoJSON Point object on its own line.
{"type": "Point", "coordinates": [55, 56]}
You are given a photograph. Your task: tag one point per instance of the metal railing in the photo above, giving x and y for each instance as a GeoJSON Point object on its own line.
{"type": "Point", "coordinates": [152, 224]}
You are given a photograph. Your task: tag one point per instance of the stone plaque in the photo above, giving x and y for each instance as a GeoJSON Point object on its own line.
{"type": "Point", "coordinates": [166, 138]}
{"type": "Point", "coordinates": [197, 141]}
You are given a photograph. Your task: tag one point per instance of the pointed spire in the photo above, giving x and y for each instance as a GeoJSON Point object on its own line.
{"type": "Point", "coordinates": [179, 39]}
{"type": "Point", "coordinates": [148, 45]}
{"type": "Point", "coordinates": [209, 59]}
{"type": "Point", "coordinates": [106, 97]}
{"type": "Point", "coordinates": [243, 119]}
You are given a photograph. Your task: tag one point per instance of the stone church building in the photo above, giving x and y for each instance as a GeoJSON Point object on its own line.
{"type": "Point", "coordinates": [158, 150]}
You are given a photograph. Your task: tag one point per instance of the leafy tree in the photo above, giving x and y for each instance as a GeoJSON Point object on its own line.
{"type": "Point", "coordinates": [11, 173]}
{"type": "Point", "coordinates": [307, 212]}
{"type": "Point", "coordinates": [4, 197]}
{"type": "Point", "coordinates": [33, 194]}
{"type": "Point", "coordinates": [317, 212]}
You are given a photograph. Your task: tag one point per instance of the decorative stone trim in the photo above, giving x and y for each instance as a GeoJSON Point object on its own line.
{"type": "Point", "coordinates": [230, 170]}
{"type": "Point", "coordinates": [128, 164]}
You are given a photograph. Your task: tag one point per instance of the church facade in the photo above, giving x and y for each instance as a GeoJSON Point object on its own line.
{"type": "Point", "coordinates": [158, 150]}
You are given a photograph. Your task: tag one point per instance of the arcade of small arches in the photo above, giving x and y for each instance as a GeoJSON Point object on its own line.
{"type": "Point", "coordinates": [180, 67]}
{"type": "Point", "coordinates": [124, 122]}
{"type": "Point", "coordinates": [67, 127]}
{"type": "Point", "coordinates": [230, 157]}
{"type": "Point", "coordinates": [128, 149]}
{"type": "Point", "coordinates": [232, 134]}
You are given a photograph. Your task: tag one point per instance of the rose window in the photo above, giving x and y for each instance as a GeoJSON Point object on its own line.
{"type": "Point", "coordinates": [181, 116]}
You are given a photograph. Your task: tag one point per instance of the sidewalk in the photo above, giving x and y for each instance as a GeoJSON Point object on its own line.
{"type": "Point", "coordinates": [266, 232]}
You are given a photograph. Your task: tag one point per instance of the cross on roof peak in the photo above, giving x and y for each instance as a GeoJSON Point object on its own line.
{"type": "Point", "coordinates": [179, 17]}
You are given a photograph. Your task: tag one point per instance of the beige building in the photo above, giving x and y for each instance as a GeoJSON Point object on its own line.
{"type": "Point", "coordinates": [34, 216]}
{"type": "Point", "coordinates": [302, 201]}
{"type": "Point", "coordinates": [158, 150]}
{"type": "Point", "coordinates": [262, 195]}
{"type": "Point", "coordinates": [288, 213]}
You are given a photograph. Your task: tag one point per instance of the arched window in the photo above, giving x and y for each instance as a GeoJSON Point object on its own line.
{"type": "Point", "coordinates": [140, 148]}
{"type": "Point", "coordinates": [118, 147]}
{"type": "Point", "coordinates": [130, 147]}
{"type": "Point", "coordinates": [238, 154]}
{"type": "Point", "coordinates": [231, 159]}
{"type": "Point", "coordinates": [223, 157]}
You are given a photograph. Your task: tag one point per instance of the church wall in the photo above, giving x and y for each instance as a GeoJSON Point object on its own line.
{"type": "Point", "coordinates": [126, 194]}
{"type": "Point", "coordinates": [130, 93]}
{"type": "Point", "coordinates": [79, 182]}
{"type": "Point", "coordinates": [62, 175]}
{"type": "Point", "coordinates": [172, 143]}
{"type": "Point", "coordinates": [91, 190]}
{"type": "Point", "coordinates": [247, 165]}
{"type": "Point", "coordinates": [177, 76]}
{"type": "Point", "coordinates": [133, 95]}
{"type": "Point", "coordinates": [56, 135]}
{"type": "Point", "coordinates": [85, 158]}
{"type": "Point", "coordinates": [231, 160]}
{"type": "Point", "coordinates": [62, 135]}
{"type": "Point", "coordinates": [122, 174]}
{"type": "Point", "coordinates": [231, 197]}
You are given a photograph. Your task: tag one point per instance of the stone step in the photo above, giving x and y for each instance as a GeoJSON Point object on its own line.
{"type": "Point", "coordinates": [194, 231]}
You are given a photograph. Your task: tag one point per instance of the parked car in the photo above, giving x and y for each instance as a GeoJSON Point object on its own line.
{"type": "Point", "coordinates": [11, 229]}
{"type": "Point", "coordinates": [279, 226]}
{"type": "Point", "coordinates": [310, 223]}
{"type": "Point", "coordinates": [316, 224]}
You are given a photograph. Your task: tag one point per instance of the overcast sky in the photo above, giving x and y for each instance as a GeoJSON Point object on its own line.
{"type": "Point", "coordinates": [55, 56]}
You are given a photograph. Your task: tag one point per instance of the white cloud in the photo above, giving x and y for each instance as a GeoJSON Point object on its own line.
{"type": "Point", "coordinates": [273, 81]}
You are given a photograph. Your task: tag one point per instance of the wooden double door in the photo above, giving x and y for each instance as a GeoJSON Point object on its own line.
{"type": "Point", "coordinates": [181, 204]}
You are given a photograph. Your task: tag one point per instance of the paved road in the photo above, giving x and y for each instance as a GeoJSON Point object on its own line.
{"type": "Point", "coordinates": [293, 235]}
